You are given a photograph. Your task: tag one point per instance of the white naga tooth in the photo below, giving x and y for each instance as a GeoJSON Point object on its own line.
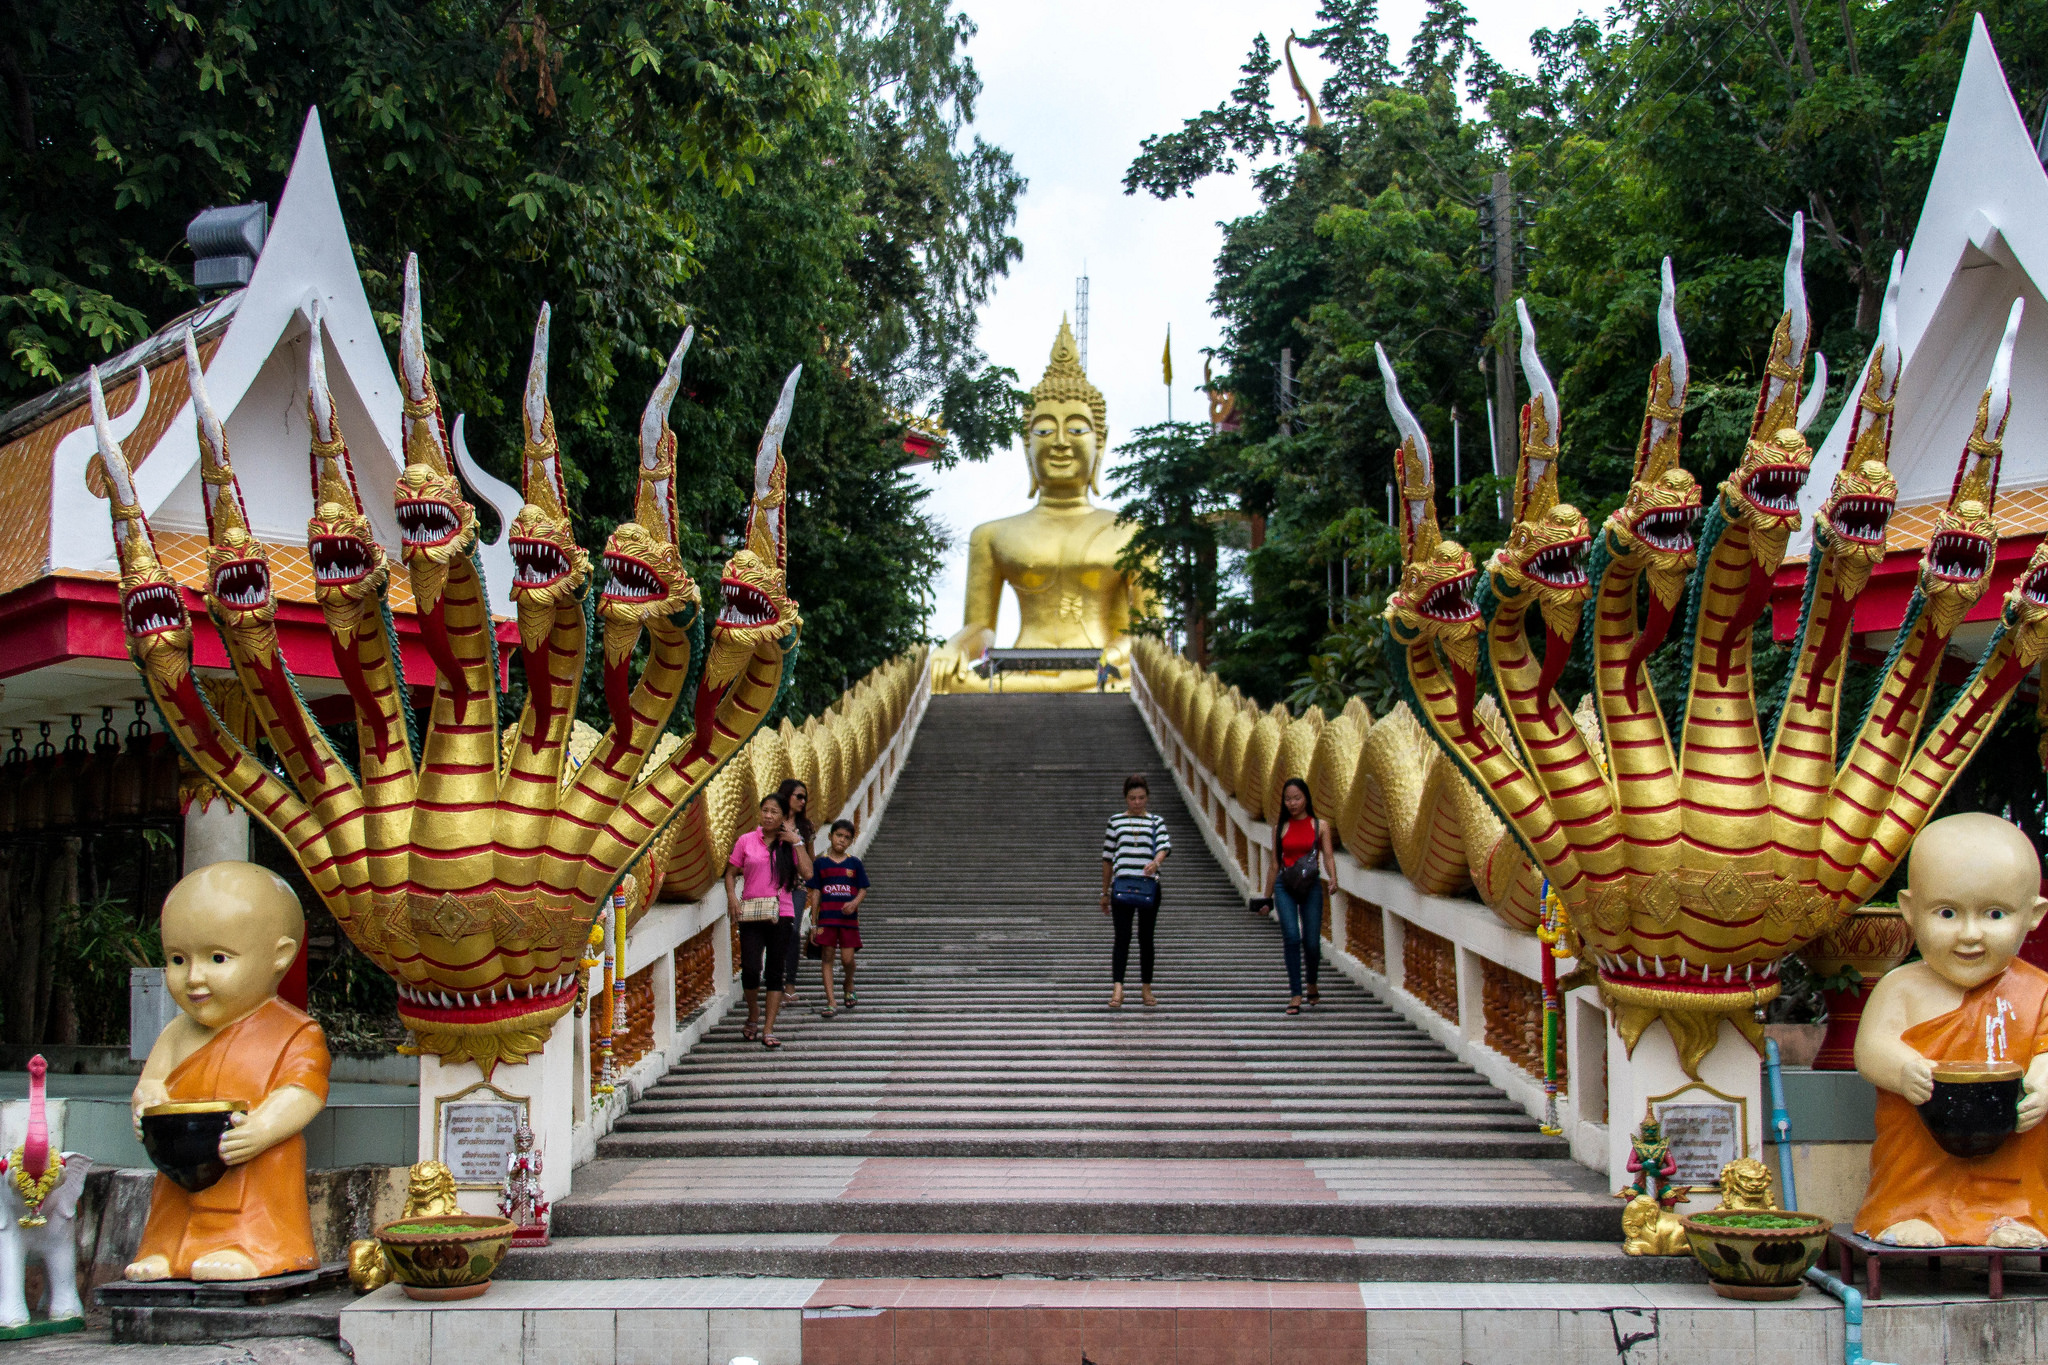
{"type": "Point", "coordinates": [1746, 973]}
{"type": "Point", "coordinates": [1681, 969]}
{"type": "Point", "coordinates": [1659, 964]}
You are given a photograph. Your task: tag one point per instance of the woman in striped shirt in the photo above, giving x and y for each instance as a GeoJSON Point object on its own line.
{"type": "Point", "coordinates": [1133, 847]}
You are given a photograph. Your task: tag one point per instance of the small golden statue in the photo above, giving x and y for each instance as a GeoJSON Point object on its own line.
{"type": "Point", "coordinates": [1648, 1225]}
{"type": "Point", "coordinates": [1957, 1046]}
{"type": "Point", "coordinates": [1746, 1187]}
{"type": "Point", "coordinates": [429, 1193]}
{"type": "Point", "coordinates": [1060, 557]}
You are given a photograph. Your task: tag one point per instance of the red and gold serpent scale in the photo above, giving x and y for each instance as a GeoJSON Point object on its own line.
{"type": "Point", "coordinates": [1689, 870]}
{"type": "Point", "coordinates": [470, 870]}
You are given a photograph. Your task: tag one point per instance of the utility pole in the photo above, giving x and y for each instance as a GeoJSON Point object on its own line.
{"type": "Point", "coordinates": [1507, 423]}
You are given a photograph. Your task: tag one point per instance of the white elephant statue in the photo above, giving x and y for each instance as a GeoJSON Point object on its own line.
{"type": "Point", "coordinates": [48, 1230]}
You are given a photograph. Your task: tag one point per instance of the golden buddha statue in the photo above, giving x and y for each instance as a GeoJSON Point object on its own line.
{"type": "Point", "coordinates": [1060, 557]}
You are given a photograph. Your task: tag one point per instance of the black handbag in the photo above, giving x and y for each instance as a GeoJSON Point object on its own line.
{"type": "Point", "coordinates": [1301, 876]}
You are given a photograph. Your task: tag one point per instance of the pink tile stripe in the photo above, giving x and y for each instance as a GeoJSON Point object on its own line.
{"type": "Point", "coordinates": [1077, 1294]}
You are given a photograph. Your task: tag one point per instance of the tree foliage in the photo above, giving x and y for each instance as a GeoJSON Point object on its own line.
{"type": "Point", "coordinates": [1693, 130]}
{"type": "Point", "coordinates": [795, 179]}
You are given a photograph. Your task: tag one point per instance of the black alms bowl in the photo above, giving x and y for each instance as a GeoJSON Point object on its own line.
{"type": "Point", "coordinates": [183, 1140]}
{"type": "Point", "coordinates": [1975, 1106]}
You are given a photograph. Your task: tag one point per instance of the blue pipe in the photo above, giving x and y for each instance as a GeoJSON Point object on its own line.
{"type": "Point", "coordinates": [1852, 1315]}
{"type": "Point", "coordinates": [1781, 1121]}
{"type": "Point", "coordinates": [1852, 1301]}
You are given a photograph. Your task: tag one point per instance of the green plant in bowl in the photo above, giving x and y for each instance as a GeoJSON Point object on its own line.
{"type": "Point", "coordinates": [445, 1256]}
{"type": "Point", "coordinates": [1756, 1254]}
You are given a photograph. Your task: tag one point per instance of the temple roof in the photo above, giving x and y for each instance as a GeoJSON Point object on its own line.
{"type": "Point", "coordinates": [253, 343]}
{"type": "Point", "coordinates": [1982, 240]}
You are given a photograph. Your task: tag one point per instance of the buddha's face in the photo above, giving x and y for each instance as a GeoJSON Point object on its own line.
{"type": "Point", "coordinates": [229, 939]}
{"type": "Point", "coordinates": [1972, 898]}
{"type": "Point", "coordinates": [1063, 445]}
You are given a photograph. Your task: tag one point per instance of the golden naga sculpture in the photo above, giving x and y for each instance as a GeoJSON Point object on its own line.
{"type": "Point", "coordinates": [467, 864]}
{"type": "Point", "coordinates": [1060, 557]}
{"type": "Point", "coordinates": [1690, 870]}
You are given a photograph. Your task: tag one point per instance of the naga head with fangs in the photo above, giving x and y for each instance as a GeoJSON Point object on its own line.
{"type": "Point", "coordinates": [1695, 842]}
{"type": "Point", "coordinates": [468, 864]}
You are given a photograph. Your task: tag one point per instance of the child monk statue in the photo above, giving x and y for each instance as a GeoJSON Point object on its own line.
{"type": "Point", "coordinates": [1973, 894]}
{"type": "Point", "coordinates": [230, 933]}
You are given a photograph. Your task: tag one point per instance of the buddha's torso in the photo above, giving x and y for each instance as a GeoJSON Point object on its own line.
{"type": "Point", "coordinates": [1062, 566]}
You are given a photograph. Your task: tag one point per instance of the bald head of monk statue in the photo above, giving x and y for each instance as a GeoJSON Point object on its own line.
{"type": "Point", "coordinates": [1973, 894]}
{"type": "Point", "coordinates": [231, 932]}
{"type": "Point", "coordinates": [1969, 1006]}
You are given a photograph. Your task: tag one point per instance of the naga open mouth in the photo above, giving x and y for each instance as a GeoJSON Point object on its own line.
{"type": "Point", "coordinates": [424, 523]}
{"type": "Point", "coordinates": [1959, 556]}
{"type": "Point", "coordinates": [536, 563]}
{"type": "Point", "coordinates": [629, 580]}
{"type": "Point", "coordinates": [1774, 489]}
{"type": "Point", "coordinates": [745, 606]}
{"type": "Point", "coordinates": [1670, 529]}
{"type": "Point", "coordinates": [154, 608]}
{"type": "Point", "coordinates": [242, 583]}
{"type": "Point", "coordinates": [338, 560]}
{"type": "Point", "coordinates": [1862, 519]}
{"type": "Point", "coordinates": [1560, 566]}
{"type": "Point", "coordinates": [1450, 602]}
{"type": "Point", "coordinates": [2034, 587]}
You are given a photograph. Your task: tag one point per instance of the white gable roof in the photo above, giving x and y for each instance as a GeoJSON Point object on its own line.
{"type": "Point", "coordinates": [1982, 241]}
{"type": "Point", "coordinates": [257, 382]}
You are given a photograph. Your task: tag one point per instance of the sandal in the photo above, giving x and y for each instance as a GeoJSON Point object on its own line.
{"type": "Point", "coordinates": [1116, 998]}
{"type": "Point", "coordinates": [1294, 1007]}
{"type": "Point", "coordinates": [828, 1013]}
{"type": "Point", "coordinates": [851, 1000]}
{"type": "Point", "coordinates": [770, 1040]}
{"type": "Point", "coordinates": [1150, 999]}
{"type": "Point", "coordinates": [1315, 997]}
{"type": "Point", "coordinates": [749, 1032]}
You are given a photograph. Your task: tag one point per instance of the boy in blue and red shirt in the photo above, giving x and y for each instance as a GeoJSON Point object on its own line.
{"type": "Point", "coordinates": [842, 884]}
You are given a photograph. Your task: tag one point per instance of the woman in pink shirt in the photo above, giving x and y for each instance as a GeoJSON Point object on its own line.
{"type": "Point", "coordinates": [765, 862]}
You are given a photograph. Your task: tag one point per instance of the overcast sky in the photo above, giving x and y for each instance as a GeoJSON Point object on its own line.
{"type": "Point", "coordinates": [1071, 88]}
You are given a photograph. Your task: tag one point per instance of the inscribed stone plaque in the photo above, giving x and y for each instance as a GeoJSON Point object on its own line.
{"type": "Point", "coordinates": [476, 1138]}
{"type": "Point", "coordinates": [1704, 1137]}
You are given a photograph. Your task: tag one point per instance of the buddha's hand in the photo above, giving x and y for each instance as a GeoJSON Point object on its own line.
{"type": "Point", "coordinates": [2034, 1098]}
{"type": "Point", "coordinates": [1916, 1081]}
{"type": "Point", "coordinates": [148, 1093]}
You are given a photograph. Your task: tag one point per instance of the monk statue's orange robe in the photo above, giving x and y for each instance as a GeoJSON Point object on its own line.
{"type": "Point", "coordinates": [259, 1207]}
{"type": "Point", "coordinates": [1911, 1177]}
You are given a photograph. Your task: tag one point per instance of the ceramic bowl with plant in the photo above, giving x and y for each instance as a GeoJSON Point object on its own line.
{"type": "Point", "coordinates": [1756, 1254]}
{"type": "Point", "coordinates": [445, 1256]}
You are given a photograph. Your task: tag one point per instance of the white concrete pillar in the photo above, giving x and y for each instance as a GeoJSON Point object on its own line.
{"type": "Point", "coordinates": [547, 1083]}
{"type": "Point", "coordinates": [216, 831]}
{"type": "Point", "coordinates": [1729, 1074]}
{"type": "Point", "coordinates": [665, 1004]}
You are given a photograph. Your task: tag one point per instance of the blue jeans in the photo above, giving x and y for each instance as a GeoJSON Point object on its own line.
{"type": "Point", "coordinates": [1301, 926]}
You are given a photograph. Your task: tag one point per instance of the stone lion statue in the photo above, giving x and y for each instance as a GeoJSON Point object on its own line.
{"type": "Point", "coordinates": [1746, 1186]}
{"type": "Point", "coordinates": [429, 1191]}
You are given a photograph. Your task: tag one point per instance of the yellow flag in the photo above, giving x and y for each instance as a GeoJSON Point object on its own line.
{"type": "Point", "coordinates": [1166, 357]}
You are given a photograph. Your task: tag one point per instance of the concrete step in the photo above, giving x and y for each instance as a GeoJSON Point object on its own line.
{"type": "Point", "coordinates": [1139, 1256]}
{"type": "Point", "coordinates": [1383, 1144]}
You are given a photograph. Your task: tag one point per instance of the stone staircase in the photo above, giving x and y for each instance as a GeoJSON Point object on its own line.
{"type": "Point", "coordinates": [982, 1114]}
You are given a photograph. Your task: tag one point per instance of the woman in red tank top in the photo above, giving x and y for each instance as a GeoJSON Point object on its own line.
{"type": "Point", "coordinates": [1303, 860]}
